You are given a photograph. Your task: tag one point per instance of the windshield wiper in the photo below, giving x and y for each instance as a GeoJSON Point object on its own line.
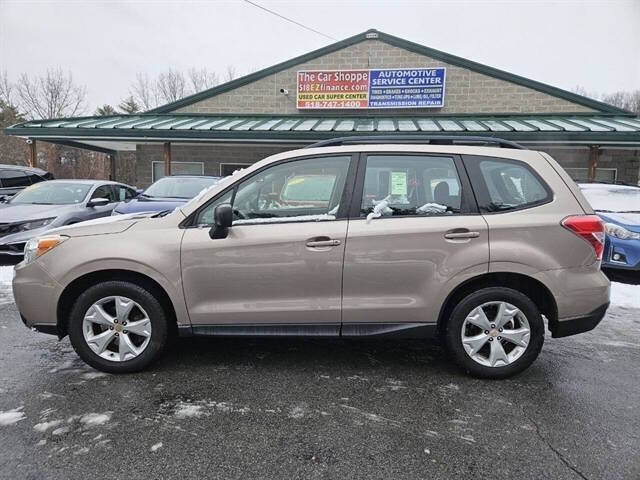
{"type": "Point", "coordinates": [162, 213]}
{"type": "Point", "coordinates": [629, 211]}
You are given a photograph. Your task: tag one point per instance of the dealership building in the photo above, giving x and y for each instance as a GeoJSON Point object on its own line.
{"type": "Point", "coordinates": [369, 84]}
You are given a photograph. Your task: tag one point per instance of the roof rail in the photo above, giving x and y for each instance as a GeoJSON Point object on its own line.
{"type": "Point", "coordinates": [419, 139]}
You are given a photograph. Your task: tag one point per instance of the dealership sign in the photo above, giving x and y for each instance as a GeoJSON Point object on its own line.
{"type": "Point", "coordinates": [380, 88]}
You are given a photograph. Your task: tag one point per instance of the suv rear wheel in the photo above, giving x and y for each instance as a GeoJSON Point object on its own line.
{"type": "Point", "coordinates": [495, 332]}
{"type": "Point", "coordinates": [118, 327]}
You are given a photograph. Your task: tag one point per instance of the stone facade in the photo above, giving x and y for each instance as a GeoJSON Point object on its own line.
{"type": "Point", "coordinates": [466, 91]}
{"type": "Point", "coordinates": [626, 162]}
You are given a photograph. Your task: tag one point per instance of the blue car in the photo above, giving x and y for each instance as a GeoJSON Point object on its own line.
{"type": "Point", "coordinates": [166, 194]}
{"type": "Point", "coordinates": [619, 208]}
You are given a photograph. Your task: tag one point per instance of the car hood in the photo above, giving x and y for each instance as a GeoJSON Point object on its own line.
{"type": "Point", "coordinates": [101, 226]}
{"type": "Point", "coordinates": [630, 221]}
{"type": "Point", "coordinates": [145, 204]}
{"type": "Point", "coordinates": [10, 213]}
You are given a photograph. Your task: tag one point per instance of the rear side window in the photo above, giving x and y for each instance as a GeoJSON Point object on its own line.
{"type": "Point", "coordinates": [502, 185]}
{"type": "Point", "coordinates": [14, 178]}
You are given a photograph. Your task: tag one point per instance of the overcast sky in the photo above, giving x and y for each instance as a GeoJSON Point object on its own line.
{"type": "Point", "coordinates": [595, 44]}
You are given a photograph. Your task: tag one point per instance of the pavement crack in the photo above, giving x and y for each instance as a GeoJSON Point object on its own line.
{"type": "Point", "coordinates": [557, 452]}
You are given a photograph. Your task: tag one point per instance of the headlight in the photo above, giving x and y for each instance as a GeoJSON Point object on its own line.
{"type": "Point", "coordinates": [31, 225]}
{"type": "Point", "coordinates": [41, 245]}
{"type": "Point", "coordinates": [620, 232]}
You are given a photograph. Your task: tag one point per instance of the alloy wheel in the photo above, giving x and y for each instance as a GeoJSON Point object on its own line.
{"type": "Point", "coordinates": [116, 328]}
{"type": "Point", "coordinates": [495, 334]}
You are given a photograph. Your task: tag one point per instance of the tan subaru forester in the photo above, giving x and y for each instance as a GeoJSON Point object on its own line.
{"type": "Point", "coordinates": [474, 243]}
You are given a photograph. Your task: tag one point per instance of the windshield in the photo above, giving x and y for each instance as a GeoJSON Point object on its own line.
{"type": "Point", "coordinates": [613, 198]}
{"type": "Point", "coordinates": [53, 193]}
{"type": "Point", "coordinates": [179, 187]}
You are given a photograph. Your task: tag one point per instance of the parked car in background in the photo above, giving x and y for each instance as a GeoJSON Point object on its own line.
{"type": "Point", "coordinates": [14, 178]}
{"type": "Point", "coordinates": [166, 194]}
{"type": "Point", "coordinates": [619, 208]}
{"type": "Point", "coordinates": [54, 203]}
{"type": "Point", "coordinates": [352, 240]}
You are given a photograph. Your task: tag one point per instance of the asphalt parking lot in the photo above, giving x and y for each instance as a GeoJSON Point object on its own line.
{"type": "Point", "coordinates": [320, 409]}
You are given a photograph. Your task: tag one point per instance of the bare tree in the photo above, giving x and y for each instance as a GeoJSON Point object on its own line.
{"type": "Point", "coordinates": [201, 79]}
{"type": "Point", "coordinates": [6, 89]}
{"type": "Point", "coordinates": [171, 86]}
{"type": "Point", "coordinates": [622, 99]}
{"type": "Point", "coordinates": [627, 100]}
{"type": "Point", "coordinates": [230, 73]}
{"type": "Point", "coordinates": [144, 91]}
{"type": "Point", "coordinates": [51, 95]}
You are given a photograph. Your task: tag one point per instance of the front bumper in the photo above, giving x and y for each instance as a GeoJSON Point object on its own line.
{"type": "Point", "coordinates": [621, 254]}
{"type": "Point", "coordinates": [36, 295]}
{"type": "Point", "coordinates": [573, 326]}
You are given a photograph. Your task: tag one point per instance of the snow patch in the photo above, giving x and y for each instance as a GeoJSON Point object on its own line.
{"type": "Point", "coordinates": [10, 417]}
{"type": "Point", "coordinates": [156, 447]}
{"type": "Point", "coordinates": [61, 431]}
{"type": "Point", "coordinates": [185, 410]}
{"type": "Point", "coordinates": [298, 218]}
{"type": "Point", "coordinates": [6, 292]}
{"type": "Point", "coordinates": [93, 419]}
{"type": "Point", "coordinates": [44, 426]}
{"type": "Point", "coordinates": [82, 451]}
{"type": "Point", "coordinates": [624, 295]}
{"type": "Point", "coordinates": [297, 412]}
{"type": "Point", "coordinates": [92, 375]}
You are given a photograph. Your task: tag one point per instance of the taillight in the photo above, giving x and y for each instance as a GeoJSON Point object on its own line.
{"type": "Point", "coordinates": [589, 228]}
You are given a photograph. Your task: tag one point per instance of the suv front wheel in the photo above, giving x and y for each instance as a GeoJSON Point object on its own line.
{"type": "Point", "coordinates": [495, 332]}
{"type": "Point", "coordinates": [118, 327]}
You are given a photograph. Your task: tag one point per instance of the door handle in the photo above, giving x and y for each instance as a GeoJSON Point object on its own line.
{"type": "Point", "coordinates": [322, 242]}
{"type": "Point", "coordinates": [461, 235]}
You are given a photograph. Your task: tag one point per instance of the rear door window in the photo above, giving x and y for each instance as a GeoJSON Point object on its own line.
{"type": "Point", "coordinates": [503, 184]}
{"type": "Point", "coordinates": [408, 185]}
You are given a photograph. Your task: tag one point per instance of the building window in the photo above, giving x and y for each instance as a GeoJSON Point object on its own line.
{"type": "Point", "coordinates": [177, 168]}
{"type": "Point", "coordinates": [581, 175]}
{"type": "Point", "coordinates": [227, 169]}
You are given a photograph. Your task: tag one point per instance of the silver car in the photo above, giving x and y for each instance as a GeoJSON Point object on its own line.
{"type": "Point", "coordinates": [51, 204]}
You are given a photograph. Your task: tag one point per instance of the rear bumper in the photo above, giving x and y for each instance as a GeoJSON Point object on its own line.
{"type": "Point", "coordinates": [573, 326]}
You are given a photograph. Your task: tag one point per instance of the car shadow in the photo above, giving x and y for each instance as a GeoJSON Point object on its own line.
{"type": "Point", "coordinates": [622, 276]}
{"type": "Point", "coordinates": [193, 354]}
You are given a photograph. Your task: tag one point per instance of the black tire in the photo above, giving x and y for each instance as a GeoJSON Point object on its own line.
{"type": "Point", "coordinates": [151, 305]}
{"type": "Point", "coordinates": [467, 305]}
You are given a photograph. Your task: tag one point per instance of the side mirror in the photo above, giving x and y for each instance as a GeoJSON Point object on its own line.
{"type": "Point", "coordinates": [98, 202]}
{"type": "Point", "coordinates": [4, 199]}
{"type": "Point", "coordinates": [222, 220]}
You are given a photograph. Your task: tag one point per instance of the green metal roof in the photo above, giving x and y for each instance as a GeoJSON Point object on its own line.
{"type": "Point", "coordinates": [400, 43]}
{"type": "Point", "coordinates": [551, 128]}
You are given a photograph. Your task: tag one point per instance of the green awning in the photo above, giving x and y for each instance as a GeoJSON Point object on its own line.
{"type": "Point", "coordinates": [143, 128]}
